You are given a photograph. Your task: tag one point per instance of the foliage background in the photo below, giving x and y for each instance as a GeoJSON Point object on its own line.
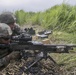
{"type": "Point", "coordinates": [59, 17]}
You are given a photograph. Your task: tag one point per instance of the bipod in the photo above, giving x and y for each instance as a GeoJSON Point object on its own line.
{"type": "Point", "coordinates": [34, 67]}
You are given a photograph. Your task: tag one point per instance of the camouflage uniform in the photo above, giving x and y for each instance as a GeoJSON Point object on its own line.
{"type": "Point", "coordinates": [5, 31]}
{"type": "Point", "coordinates": [17, 30]}
{"type": "Point", "coordinates": [9, 18]}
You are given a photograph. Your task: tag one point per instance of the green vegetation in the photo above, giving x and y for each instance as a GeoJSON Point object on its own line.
{"type": "Point", "coordinates": [60, 17]}
{"type": "Point", "coordinates": [64, 37]}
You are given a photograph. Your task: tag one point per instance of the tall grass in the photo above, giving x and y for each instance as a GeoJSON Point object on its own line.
{"type": "Point", "coordinates": [59, 17]}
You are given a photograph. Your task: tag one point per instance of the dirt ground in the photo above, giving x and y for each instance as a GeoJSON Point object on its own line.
{"type": "Point", "coordinates": [14, 68]}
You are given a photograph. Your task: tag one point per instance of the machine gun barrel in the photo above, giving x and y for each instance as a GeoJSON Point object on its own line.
{"type": "Point", "coordinates": [34, 45]}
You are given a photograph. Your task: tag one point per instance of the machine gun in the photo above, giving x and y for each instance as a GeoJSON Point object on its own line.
{"type": "Point", "coordinates": [24, 44]}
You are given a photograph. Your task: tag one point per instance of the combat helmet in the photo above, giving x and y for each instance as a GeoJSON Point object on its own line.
{"type": "Point", "coordinates": [5, 30]}
{"type": "Point", "coordinates": [7, 17]}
